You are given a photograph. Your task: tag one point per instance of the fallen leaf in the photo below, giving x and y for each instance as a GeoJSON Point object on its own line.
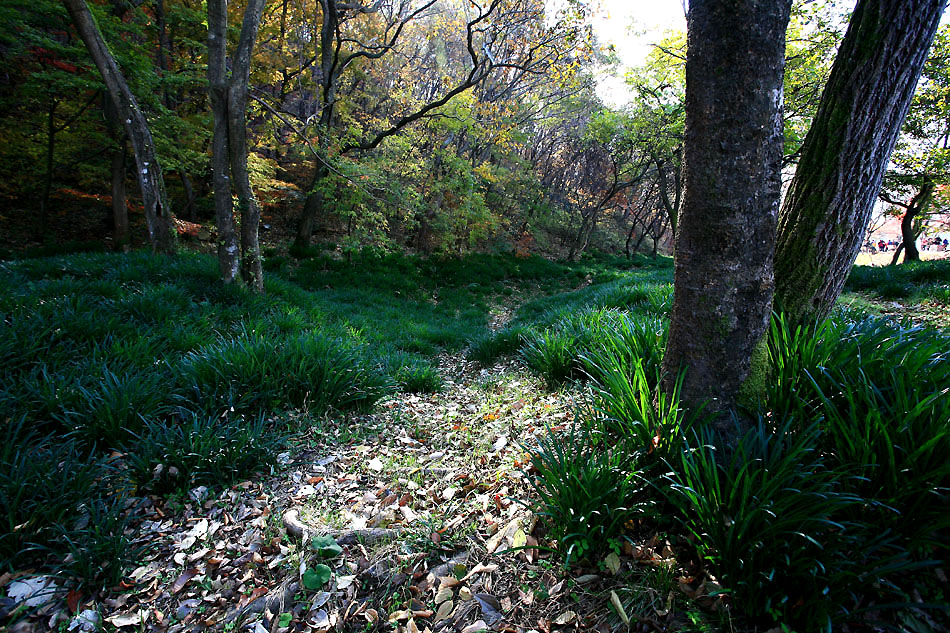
{"type": "Point", "coordinates": [612, 562]}
{"type": "Point", "coordinates": [445, 593]}
{"type": "Point", "coordinates": [615, 601]}
{"type": "Point", "coordinates": [182, 580]}
{"type": "Point", "coordinates": [565, 618]}
{"type": "Point", "coordinates": [444, 610]}
{"type": "Point", "coordinates": [120, 620]}
{"type": "Point", "coordinates": [475, 627]}
{"type": "Point", "coordinates": [491, 608]}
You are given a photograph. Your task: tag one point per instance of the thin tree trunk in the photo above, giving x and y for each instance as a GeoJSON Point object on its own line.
{"type": "Point", "coordinates": [229, 143]}
{"type": "Point", "coordinates": [897, 254]}
{"type": "Point", "coordinates": [846, 151]}
{"type": "Point", "coordinates": [311, 208]}
{"type": "Point", "coordinates": [726, 232]}
{"type": "Point", "coordinates": [228, 251]}
{"type": "Point", "coordinates": [48, 175]}
{"type": "Point", "coordinates": [672, 207]}
{"type": "Point", "coordinates": [251, 266]}
{"type": "Point", "coordinates": [158, 216]}
{"type": "Point", "coordinates": [120, 209]}
{"type": "Point", "coordinates": [190, 208]}
{"type": "Point", "coordinates": [908, 236]}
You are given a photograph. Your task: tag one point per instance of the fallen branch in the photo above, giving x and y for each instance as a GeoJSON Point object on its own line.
{"type": "Point", "coordinates": [298, 529]}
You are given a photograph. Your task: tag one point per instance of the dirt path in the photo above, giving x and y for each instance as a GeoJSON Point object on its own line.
{"type": "Point", "coordinates": [424, 496]}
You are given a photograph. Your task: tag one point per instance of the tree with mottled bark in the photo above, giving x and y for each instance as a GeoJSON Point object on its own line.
{"type": "Point", "coordinates": [726, 234]}
{"type": "Point", "coordinates": [158, 213]}
{"type": "Point", "coordinates": [846, 151]}
{"type": "Point", "coordinates": [229, 144]}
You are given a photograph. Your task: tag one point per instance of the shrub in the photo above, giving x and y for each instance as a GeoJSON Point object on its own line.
{"type": "Point", "coordinates": [43, 482]}
{"type": "Point", "coordinates": [587, 491]}
{"type": "Point", "coordinates": [199, 448]}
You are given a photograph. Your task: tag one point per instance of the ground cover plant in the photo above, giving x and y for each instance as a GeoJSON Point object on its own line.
{"type": "Point", "coordinates": [916, 291]}
{"type": "Point", "coordinates": [836, 499]}
{"type": "Point", "coordinates": [138, 379]}
{"type": "Point", "coordinates": [184, 381]}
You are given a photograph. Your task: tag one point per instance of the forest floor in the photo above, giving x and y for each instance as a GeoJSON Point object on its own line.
{"type": "Point", "coordinates": [419, 516]}
{"type": "Point", "coordinates": [429, 499]}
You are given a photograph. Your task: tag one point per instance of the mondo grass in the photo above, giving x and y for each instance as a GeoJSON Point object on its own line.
{"type": "Point", "coordinates": [882, 394]}
{"type": "Point", "coordinates": [44, 479]}
{"type": "Point", "coordinates": [254, 374]}
{"type": "Point", "coordinates": [200, 448]}
{"type": "Point", "coordinates": [587, 490]}
{"type": "Point", "coordinates": [768, 521]}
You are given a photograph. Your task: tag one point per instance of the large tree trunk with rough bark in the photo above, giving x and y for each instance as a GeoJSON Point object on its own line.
{"type": "Point", "coordinates": [845, 154]}
{"type": "Point", "coordinates": [158, 215]}
{"type": "Point", "coordinates": [726, 232]}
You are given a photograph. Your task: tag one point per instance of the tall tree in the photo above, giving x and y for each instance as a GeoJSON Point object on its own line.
{"type": "Point", "coordinates": [158, 213]}
{"type": "Point", "coordinates": [920, 165]}
{"type": "Point", "coordinates": [229, 144]}
{"type": "Point", "coordinates": [846, 151]}
{"type": "Point", "coordinates": [733, 156]}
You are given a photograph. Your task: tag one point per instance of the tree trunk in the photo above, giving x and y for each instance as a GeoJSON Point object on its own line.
{"type": "Point", "coordinates": [158, 216]}
{"type": "Point", "coordinates": [845, 153]}
{"type": "Point", "coordinates": [311, 208]}
{"type": "Point", "coordinates": [251, 268]}
{"type": "Point", "coordinates": [120, 209]}
{"type": "Point", "coordinates": [189, 196]}
{"type": "Point", "coordinates": [228, 251]}
{"type": "Point", "coordinates": [726, 232]}
{"type": "Point", "coordinates": [48, 175]}
{"type": "Point", "coordinates": [908, 235]}
{"type": "Point", "coordinates": [229, 144]}
{"type": "Point", "coordinates": [671, 207]}
{"type": "Point", "coordinates": [897, 254]}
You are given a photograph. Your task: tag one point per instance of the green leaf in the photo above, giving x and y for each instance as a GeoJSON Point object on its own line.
{"type": "Point", "coordinates": [316, 577]}
{"type": "Point", "coordinates": [326, 546]}
{"type": "Point", "coordinates": [284, 620]}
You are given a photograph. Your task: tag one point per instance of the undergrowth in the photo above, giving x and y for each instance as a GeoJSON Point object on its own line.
{"type": "Point", "coordinates": [126, 374]}
{"type": "Point", "coordinates": [830, 511]}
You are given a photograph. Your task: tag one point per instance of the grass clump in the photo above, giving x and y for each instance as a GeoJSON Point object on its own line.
{"type": "Point", "coordinates": [923, 280]}
{"type": "Point", "coordinates": [200, 448]}
{"type": "Point", "coordinates": [587, 491]}
{"type": "Point", "coordinates": [251, 374]}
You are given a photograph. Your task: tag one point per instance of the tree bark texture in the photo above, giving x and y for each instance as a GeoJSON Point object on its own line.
{"type": "Point", "coordinates": [228, 251]}
{"type": "Point", "coordinates": [158, 215]}
{"type": "Point", "coordinates": [844, 156]}
{"type": "Point", "coordinates": [726, 228]}
{"type": "Point", "coordinates": [229, 145]}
